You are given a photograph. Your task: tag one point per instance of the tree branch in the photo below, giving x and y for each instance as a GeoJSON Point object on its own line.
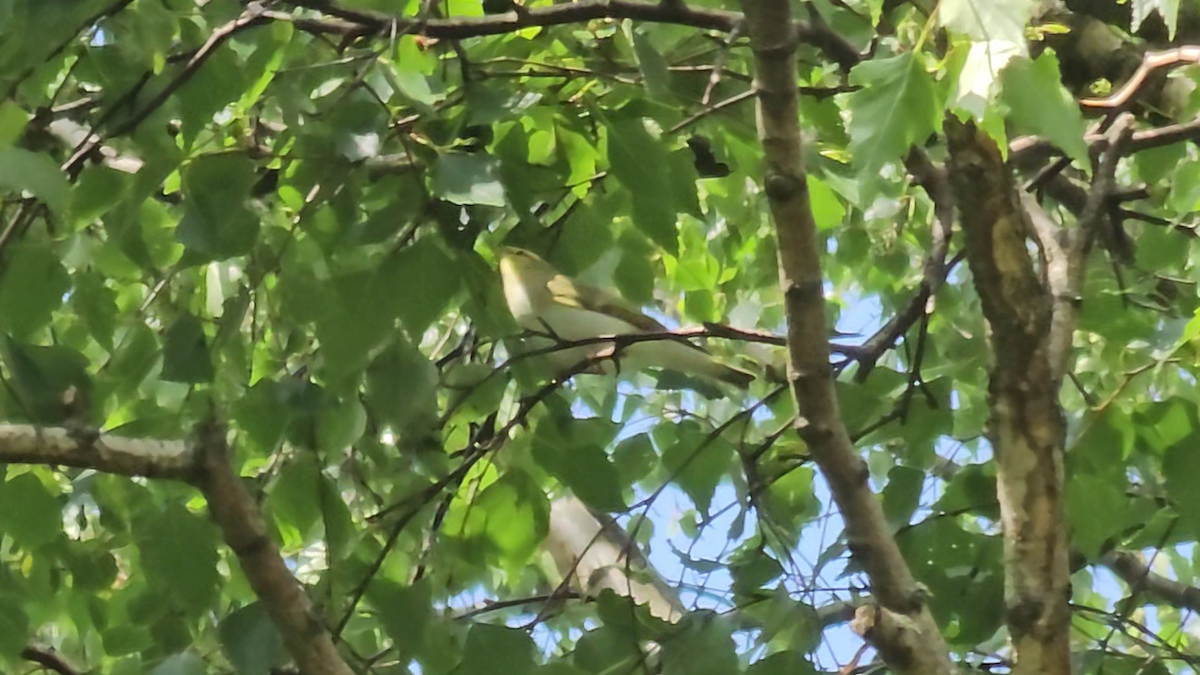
{"type": "Point", "coordinates": [241, 522]}
{"type": "Point", "coordinates": [932, 177]}
{"type": "Point", "coordinates": [1067, 275]}
{"type": "Point", "coordinates": [55, 446]}
{"type": "Point", "coordinates": [252, 16]}
{"type": "Point", "coordinates": [1027, 429]}
{"type": "Point", "coordinates": [205, 465]}
{"type": "Point", "coordinates": [360, 22]}
{"type": "Point", "coordinates": [768, 23]}
{"type": "Point", "coordinates": [1130, 568]}
{"type": "Point", "coordinates": [49, 659]}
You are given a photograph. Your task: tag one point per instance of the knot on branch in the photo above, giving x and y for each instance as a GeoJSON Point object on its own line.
{"type": "Point", "coordinates": [1024, 613]}
{"type": "Point", "coordinates": [782, 186]}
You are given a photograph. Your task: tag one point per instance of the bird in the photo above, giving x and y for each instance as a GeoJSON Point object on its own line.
{"type": "Point", "coordinates": [547, 302]}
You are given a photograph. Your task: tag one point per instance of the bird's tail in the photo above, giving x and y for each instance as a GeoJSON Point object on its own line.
{"type": "Point", "coordinates": [735, 376]}
{"type": "Point", "coordinates": [704, 364]}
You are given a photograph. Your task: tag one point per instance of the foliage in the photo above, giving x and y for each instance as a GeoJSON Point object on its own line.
{"type": "Point", "coordinates": [307, 246]}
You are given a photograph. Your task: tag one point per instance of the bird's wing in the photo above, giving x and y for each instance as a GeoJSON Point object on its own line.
{"type": "Point", "coordinates": [569, 292]}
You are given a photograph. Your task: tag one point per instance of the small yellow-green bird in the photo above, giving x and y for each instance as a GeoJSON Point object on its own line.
{"type": "Point", "coordinates": [543, 300]}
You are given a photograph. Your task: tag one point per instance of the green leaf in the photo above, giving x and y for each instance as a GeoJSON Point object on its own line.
{"type": "Point", "coordinates": [185, 663]}
{"type": "Point", "coordinates": [15, 630]}
{"type": "Point", "coordinates": [971, 490]}
{"type": "Point", "coordinates": [696, 461]}
{"type": "Point", "coordinates": [340, 533]}
{"type": "Point", "coordinates": [634, 458]}
{"type": "Point", "coordinates": [1155, 164]}
{"type": "Point", "coordinates": [607, 650]}
{"type": "Point", "coordinates": [559, 668]}
{"type": "Point", "coordinates": [422, 279]}
{"type": "Point", "coordinates": [29, 513]}
{"type": "Point", "coordinates": [294, 496]}
{"type": "Point", "coordinates": [902, 494]}
{"type": "Point", "coordinates": [513, 513]}
{"type": "Point", "coordinates": [179, 554]}
{"type": "Point", "coordinates": [185, 352]}
{"type": "Point", "coordinates": [263, 414]}
{"type": "Point", "coordinates": [573, 452]}
{"type": "Point", "coordinates": [21, 169]}
{"type": "Point", "coordinates": [827, 209]}
{"type": "Point", "coordinates": [653, 66]}
{"type": "Point", "coordinates": [752, 569]}
{"type": "Point", "coordinates": [467, 179]}
{"type": "Point", "coordinates": [136, 354]}
{"type": "Point", "coordinates": [262, 65]}
{"type": "Point", "coordinates": [1041, 106]}
{"type": "Point", "coordinates": [497, 650]}
{"type": "Point", "coordinates": [782, 663]}
{"type": "Point", "coordinates": [338, 427]}
{"type": "Point", "coordinates": [796, 625]}
{"type": "Point", "coordinates": [407, 612]}
{"type": "Point", "coordinates": [12, 123]}
{"type": "Point", "coordinates": [217, 224]}
{"type": "Point", "coordinates": [91, 569]}
{"type": "Point", "coordinates": [98, 190]}
{"type": "Point", "coordinates": [41, 377]}
{"type": "Point", "coordinates": [32, 287]}
{"type": "Point", "coordinates": [982, 20]}
{"type": "Point", "coordinates": [640, 163]}
{"type": "Point", "coordinates": [251, 642]}
{"type": "Point", "coordinates": [702, 646]}
{"type": "Point", "coordinates": [402, 389]}
{"type": "Point", "coordinates": [897, 107]}
{"type": "Point", "coordinates": [1096, 510]}
{"type": "Point", "coordinates": [96, 306]}
{"type": "Point", "coordinates": [220, 82]}
{"type": "Point", "coordinates": [1181, 467]}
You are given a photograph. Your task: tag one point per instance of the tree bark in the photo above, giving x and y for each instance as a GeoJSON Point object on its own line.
{"type": "Point", "coordinates": [924, 651]}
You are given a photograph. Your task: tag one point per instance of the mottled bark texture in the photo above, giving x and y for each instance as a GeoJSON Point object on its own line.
{"type": "Point", "coordinates": [1027, 429]}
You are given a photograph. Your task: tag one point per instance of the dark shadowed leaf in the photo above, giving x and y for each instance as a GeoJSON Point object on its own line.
{"type": "Point", "coordinates": [185, 352]}
{"type": "Point", "coordinates": [179, 551]}
{"type": "Point", "coordinates": [251, 641]}
{"type": "Point", "coordinates": [29, 513]}
{"type": "Point", "coordinates": [32, 287]}
{"type": "Point", "coordinates": [497, 650]}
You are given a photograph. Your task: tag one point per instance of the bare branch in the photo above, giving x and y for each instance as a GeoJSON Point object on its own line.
{"type": "Point", "coordinates": [1151, 61]}
{"type": "Point", "coordinates": [362, 22]}
{"type": "Point", "coordinates": [56, 446]}
{"type": "Point", "coordinates": [252, 16]}
{"type": "Point", "coordinates": [1130, 568]}
{"type": "Point", "coordinates": [932, 178]}
{"type": "Point", "coordinates": [1029, 150]}
{"type": "Point", "coordinates": [768, 23]}
{"type": "Point", "coordinates": [1067, 273]}
{"type": "Point", "coordinates": [241, 522]}
{"type": "Point", "coordinates": [205, 465]}
{"type": "Point", "coordinates": [49, 659]}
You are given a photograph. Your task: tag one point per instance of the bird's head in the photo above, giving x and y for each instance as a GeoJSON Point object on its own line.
{"type": "Point", "coordinates": [523, 264]}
